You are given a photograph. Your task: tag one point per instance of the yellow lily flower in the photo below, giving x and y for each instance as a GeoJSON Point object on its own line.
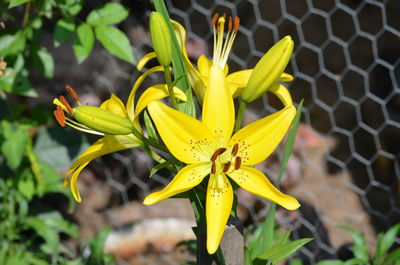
{"type": "Point", "coordinates": [209, 149]}
{"type": "Point", "coordinates": [108, 143]}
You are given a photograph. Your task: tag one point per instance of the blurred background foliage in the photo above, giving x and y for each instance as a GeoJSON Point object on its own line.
{"type": "Point", "coordinates": [35, 211]}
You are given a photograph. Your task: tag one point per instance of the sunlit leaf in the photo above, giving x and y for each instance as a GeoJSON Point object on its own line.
{"type": "Point", "coordinates": [83, 42]}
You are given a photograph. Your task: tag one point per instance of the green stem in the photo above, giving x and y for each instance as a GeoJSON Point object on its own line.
{"type": "Point", "coordinates": [167, 73]}
{"type": "Point", "coordinates": [161, 160]}
{"type": "Point", "coordinates": [239, 118]}
{"type": "Point", "coordinates": [26, 14]}
{"type": "Point", "coordinates": [148, 141]}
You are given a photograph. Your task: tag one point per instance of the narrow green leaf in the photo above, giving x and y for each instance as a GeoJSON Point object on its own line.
{"type": "Point", "coordinates": [83, 42]}
{"type": "Point", "coordinates": [73, 7]}
{"type": "Point", "coordinates": [14, 3]}
{"type": "Point", "coordinates": [110, 13]}
{"type": "Point", "coordinates": [359, 246]}
{"type": "Point", "coordinates": [63, 30]}
{"type": "Point", "coordinates": [278, 253]}
{"type": "Point", "coordinates": [385, 241]}
{"type": "Point", "coordinates": [46, 232]}
{"type": "Point", "coordinates": [158, 167]}
{"type": "Point", "coordinates": [290, 142]}
{"type": "Point", "coordinates": [151, 131]}
{"type": "Point", "coordinates": [392, 257]}
{"type": "Point", "coordinates": [116, 42]}
{"type": "Point", "coordinates": [282, 239]}
{"type": "Point", "coordinates": [296, 262]}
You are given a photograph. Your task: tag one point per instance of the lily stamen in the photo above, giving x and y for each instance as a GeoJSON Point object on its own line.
{"type": "Point", "coordinates": [217, 153]}
{"type": "Point", "coordinates": [235, 149]}
{"type": "Point", "coordinates": [213, 168]}
{"type": "Point", "coordinates": [66, 104]}
{"type": "Point", "coordinates": [60, 116]}
{"type": "Point", "coordinates": [73, 94]}
{"type": "Point", "coordinates": [226, 167]}
{"type": "Point", "coordinates": [223, 44]}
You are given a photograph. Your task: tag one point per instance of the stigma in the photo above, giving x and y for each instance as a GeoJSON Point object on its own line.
{"type": "Point", "coordinates": [223, 44]}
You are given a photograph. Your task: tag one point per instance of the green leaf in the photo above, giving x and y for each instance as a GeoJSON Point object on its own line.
{"type": "Point", "coordinates": [73, 7]}
{"type": "Point", "coordinates": [116, 42]}
{"type": "Point", "coordinates": [83, 42]}
{"type": "Point", "coordinates": [63, 30]}
{"type": "Point", "coordinates": [296, 262]}
{"type": "Point", "coordinates": [58, 147]}
{"type": "Point", "coordinates": [12, 44]}
{"type": "Point", "coordinates": [110, 13]}
{"type": "Point", "coordinates": [392, 257]}
{"type": "Point", "coordinates": [385, 241]}
{"type": "Point", "coordinates": [26, 187]}
{"type": "Point", "coordinates": [359, 246]}
{"type": "Point", "coordinates": [44, 62]}
{"type": "Point", "coordinates": [280, 252]}
{"type": "Point", "coordinates": [49, 235]}
{"type": "Point", "coordinates": [13, 147]}
{"type": "Point", "coordinates": [151, 131]}
{"type": "Point", "coordinates": [158, 167]}
{"type": "Point", "coordinates": [14, 3]}
{"type": "Point", "coordinates": [96, 245]}
{"type": "Point", "coordinates": [287, 152]}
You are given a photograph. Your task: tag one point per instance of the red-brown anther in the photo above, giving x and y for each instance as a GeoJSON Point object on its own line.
{"type": "Point", "coordinates": [217, 153]}
{"type": "Point", "coordinates": [214, 20]}
{"type": "Point", "coordinates": [213, 168]}
{"type": "Point", "coordinates": [224, 15]}
{"type": "Point", "coordinates": [237, 22]}
{"type": "Point", "coordinates": [238, 162]}
{"type": "Point", "coordinates": [66, 104]}
{"type": "Point", "coordinates": [227, 166]}
{"type": "Point", "coordinates": [235, 149]}
{"type": "Point", "coordinates": [59, 115]}
{"type": "Point", "coordinates": [230, 24]}
{"type": "Point", "coordinates": [72, 92]}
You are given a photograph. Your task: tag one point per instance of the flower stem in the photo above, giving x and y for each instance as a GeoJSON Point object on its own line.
{"type": "Point", "coordinates": [239, 117]}
{"type": "Point", "coordinates": [168, 79]}
{"type": "Point", "coordinates": [148, 141]}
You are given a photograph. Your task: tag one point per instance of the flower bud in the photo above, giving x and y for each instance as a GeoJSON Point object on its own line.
{"type": "Point", "coordinates": [102, 120]}
{"type": "Point", "coordinates": [161, 39]}
{"type": "Point", "coordinates": [268, 70]}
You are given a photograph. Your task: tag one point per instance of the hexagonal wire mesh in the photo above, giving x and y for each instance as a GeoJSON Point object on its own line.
{"type": "Point", "coordinates": [346, 66]}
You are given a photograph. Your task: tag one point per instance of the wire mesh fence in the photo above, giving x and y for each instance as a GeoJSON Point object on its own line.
{"type": "Point", "coordinates": [345, 168]}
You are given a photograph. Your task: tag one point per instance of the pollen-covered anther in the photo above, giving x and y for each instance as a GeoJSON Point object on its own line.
{"type": "Point", "coordinates": [235, 149]}
{"type": "Point", "coordinates": [60, 116]}
{"type": "Point", "coordinates": [218, 152]}
{"type": "Point", "coordinates": [238, 162]}
{"type": "Point", "coordinates": [214, 20]}
{"type": "Point", "coordinates": [230, 24]}
{"type": "Point", "coordinates": [72, 92]}
{"type": "Point", "coordinates": [226, 167]}
{"type": "Point", "coordinates": [65, 103]}
{"type": "Point", "coordinates": [237, 22]}
{"type": "Point", "coordinates": [213, 168]}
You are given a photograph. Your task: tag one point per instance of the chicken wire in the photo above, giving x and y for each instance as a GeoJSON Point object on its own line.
{"type": "Point", "coordinates": [346, 68]}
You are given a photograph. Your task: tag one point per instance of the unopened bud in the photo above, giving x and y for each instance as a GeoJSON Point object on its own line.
{"type": "Point", "coordinates": [102, 120]}
{"type": "Point", "coordinates": [268, 70]}
{"type": "Point", "coordinates": [161, 38]}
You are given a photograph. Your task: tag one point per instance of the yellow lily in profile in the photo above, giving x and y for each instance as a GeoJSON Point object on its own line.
{"type": "Point", "coordinates": [236, 81]}
{"type": "Point", "coordinates": [113, 108]}
{"type": "Point", "coordinates": [209, 149]}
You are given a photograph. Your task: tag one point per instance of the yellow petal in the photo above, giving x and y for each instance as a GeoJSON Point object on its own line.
{"type": "Point", "coordinates": [218, 208]}
{"type": "Point", "coordinates": [204, 64]}
{"type": "Point", "coordinates": [105, 145]}
{"type": "Point", "coordinates": [285, 77]}
{"type": "Point", "coordinates": [194, 77]}
{"type": "Point", "coordinates": [145, 59]}
{"type": "Point", "coordinates": [282, 93]}
{"type": "Point", "coordinates": [130, 104]}
{"type": "Point", "coordinates": [114, 104]}
{"type": "Point", "coordinates": [237, 81]}
{"type": "Point", "coordinates": [218, 109]}
{"type": "Point", "coordinates": [189, 177]}
{"type": "Point", "coordinates": [260, 138]}
{"type": "Point", "coordinates": [257, 183]}
{"type": "Point", "coordinates": [188, 139]}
